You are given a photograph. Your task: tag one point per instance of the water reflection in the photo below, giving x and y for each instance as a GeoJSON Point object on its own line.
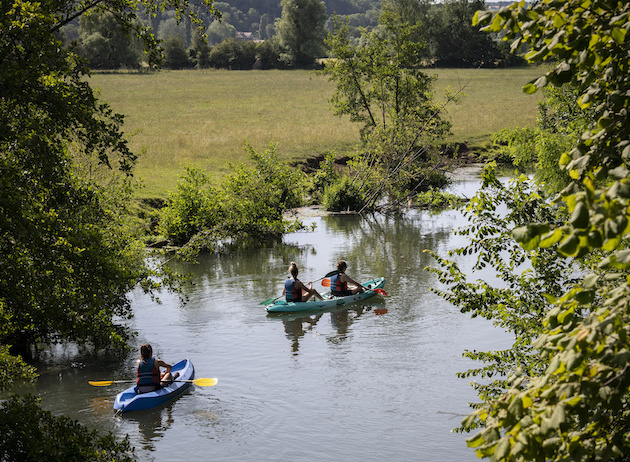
{"type": "Point", "coordinates": [297, 325]}
{"type": "Point", "coordinates": [296, 328]}
{"type": "Point", "coordinates": [151, 425]}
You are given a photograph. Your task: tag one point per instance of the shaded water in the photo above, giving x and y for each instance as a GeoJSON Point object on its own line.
{"type": "Point", "coordinates": [372, 381]}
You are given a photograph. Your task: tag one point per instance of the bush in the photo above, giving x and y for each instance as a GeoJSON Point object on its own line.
{"type": "Point", "coordinates": [30, 434]}
{"type": "Point", "coordinates": [344, 195]}
{"type": "Point", "coordinates": [233, 54]}
{"type": "Point", "coordinates": [322, 178]}
{"type": "Point", "coordinates": [437, 200]}
{"type": "Point", "coordinates": [248, 205]}
{"type": "Point", "coordinates": [175, 56]}
{"type": "Point", "coordinates": [268, 55]}
{"type": "Point", "coordinates": [194, 206]}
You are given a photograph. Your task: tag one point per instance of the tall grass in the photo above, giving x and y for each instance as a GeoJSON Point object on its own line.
{"type": "Point", "coordinates": [203, 118]}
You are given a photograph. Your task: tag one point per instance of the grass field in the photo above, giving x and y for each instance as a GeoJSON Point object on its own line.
{"type": "Point", "coordinates": [203, 118]}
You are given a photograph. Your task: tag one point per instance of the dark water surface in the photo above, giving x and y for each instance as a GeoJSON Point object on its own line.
{"type": "Point", "coordinates": [356, 384]}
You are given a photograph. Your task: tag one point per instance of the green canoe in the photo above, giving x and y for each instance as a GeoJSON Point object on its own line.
{"type": "Point", "coordinates": [329, 301]}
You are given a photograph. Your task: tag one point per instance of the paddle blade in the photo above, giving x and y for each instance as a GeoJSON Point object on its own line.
{"type": "Point", "coordinates": [326, 282]}
{"type": "Point", "coordinates": [205, 382]}
{"type": "Point", "coordinates": [380, 291]}
{"type": "Point", "coordinates": [102, 383]}
{"type": "Point", "coordinates": [267, 302]}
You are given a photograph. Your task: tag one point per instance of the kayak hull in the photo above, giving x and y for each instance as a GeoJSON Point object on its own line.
{"type": "Point", "coordinates": [282, 306]}
{"type": "Point", "coordinates": [129, 400]}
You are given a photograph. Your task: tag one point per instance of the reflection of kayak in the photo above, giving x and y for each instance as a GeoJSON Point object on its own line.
{"type": "Point", "coordinates": [329, 301]}
{"type": "Point", "coordinates": [129, 400]}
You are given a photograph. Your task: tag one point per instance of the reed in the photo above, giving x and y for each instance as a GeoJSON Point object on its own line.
{"type": "Point", "coordinates": [203, 118]}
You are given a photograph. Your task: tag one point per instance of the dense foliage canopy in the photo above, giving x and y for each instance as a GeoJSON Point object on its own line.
{"type": "Point", "coordinates": [576, 406]}
{"type": "Point", "coordinates": [67, 255]}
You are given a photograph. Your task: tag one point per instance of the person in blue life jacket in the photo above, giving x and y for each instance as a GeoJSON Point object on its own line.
{"type": "Point", "coordinates": [149, 376]}
{"type": "Point", "coordinates": [295, 291]}
{"type": "Point", "coordinates": [339, 282]}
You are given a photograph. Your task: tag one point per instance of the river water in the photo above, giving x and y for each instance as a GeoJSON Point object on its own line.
{"type": "Point", "coordinates": [369, 382]}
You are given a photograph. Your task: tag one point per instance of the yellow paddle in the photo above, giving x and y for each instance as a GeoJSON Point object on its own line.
{"type": "Point", "coordinates": [198, 382]}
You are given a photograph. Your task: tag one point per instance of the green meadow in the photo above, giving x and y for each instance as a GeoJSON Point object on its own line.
{"type": "Point", "coordinates": [204, 118]}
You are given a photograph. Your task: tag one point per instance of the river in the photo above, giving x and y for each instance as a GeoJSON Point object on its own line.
{"type": "Point", "coordinates": [370, 382]}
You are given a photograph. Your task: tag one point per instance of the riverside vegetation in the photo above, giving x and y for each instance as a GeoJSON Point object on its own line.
{"type": "Point", "coordinates": [71, 252]}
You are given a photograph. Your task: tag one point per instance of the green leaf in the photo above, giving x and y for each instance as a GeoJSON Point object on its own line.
{"type": "Point", "coordinates": [551, 238]}
{"type": "Point", "coordinates": [569, 245]}
{"type": "Point", "coordinates": [590, 280]}
{"type": "Point", "coordinates": [502, 448]}
{"type": "Point", "coordinates": [475, 441]}
{"type": "Point", "coordinates": [530, 88]}
{"type": "Point", "coordinates": [579, 218]}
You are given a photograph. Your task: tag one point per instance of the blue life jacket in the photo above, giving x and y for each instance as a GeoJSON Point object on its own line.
{"type": "Point", "coordinates": [293, 293]}
{"type": "Point", "coordinates": [337, 286]}
{"type": "Point", "coordinates": [148, 372]}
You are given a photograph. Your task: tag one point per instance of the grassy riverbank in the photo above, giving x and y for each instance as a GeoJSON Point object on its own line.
{"type": "Point", "coordinates": [203, 118]}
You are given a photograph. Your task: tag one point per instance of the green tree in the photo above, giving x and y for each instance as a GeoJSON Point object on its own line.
{"type": "Point", "coordinates": [518, 298]}
{"type": "Point", "coordinates": [200, 52]}
{"type": "Point", "coordinates": [220, 31]}
{"type": "Point", "coordinates": [578, 406]}
{"type": "Point", "coordinates": [105, 46]}
{"type": "Point", "coordinates": [175, 56]}
{"type": "Point", "coordinates": [173, 28]}
{"type": "Point", "coordinates": [68, 258]}
{"type": "Point", "coordinates": [381, 86]}
{"type": "Point", "coordinates": [301, 31]}
{"type": "Point", "coordinates": [68, 255]}
{"type": "Point", "coordinates": [455, 41]}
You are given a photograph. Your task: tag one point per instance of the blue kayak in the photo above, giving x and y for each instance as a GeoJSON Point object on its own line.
{"type": "Point", "coordinates": [329, 301]}
{"type": "Point", "coordinates": [129, 400]}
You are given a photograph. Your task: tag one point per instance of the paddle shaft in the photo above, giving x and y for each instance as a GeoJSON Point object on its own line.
{"type": "Point", "coordinates": [203, 382]}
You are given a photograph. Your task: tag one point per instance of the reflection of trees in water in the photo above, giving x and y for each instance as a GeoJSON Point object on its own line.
{"type": "Point", "coordinates": [251, 268]}
{"type": "Point", "coordinates": [391, 246]}
{"type": "Point", "coordinates": [296, 326]}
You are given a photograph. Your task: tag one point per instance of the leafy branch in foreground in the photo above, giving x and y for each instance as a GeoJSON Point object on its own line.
{"type": "Point", "coordinates": [30, 434]}
{"type": "Point", "coordinates": [578, 407]}
{"type": "Point", "coordinates": [525, 281]}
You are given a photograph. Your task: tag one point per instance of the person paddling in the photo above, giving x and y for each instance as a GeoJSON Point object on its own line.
{"type": "Point", "coordinates": [339, 282]}
{"type": "Point", "coordinates": [295, 290]}
{"type": "Point", "coordinates": [149, 376]}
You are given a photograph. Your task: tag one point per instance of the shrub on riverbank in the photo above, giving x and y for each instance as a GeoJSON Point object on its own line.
{"type": "Point", "coordinates": [248, 205]}
{"type": "Point", "coordinates": [30, 434]}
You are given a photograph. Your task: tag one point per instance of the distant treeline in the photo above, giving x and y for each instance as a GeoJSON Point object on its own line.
{"type": "Point", "coordinates": [246, 37]}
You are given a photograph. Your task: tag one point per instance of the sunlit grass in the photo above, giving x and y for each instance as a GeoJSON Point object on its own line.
{"type": "Point", "coordinates": [493, 100]}
{"type": "Point", "coordinates": [203, 118]}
